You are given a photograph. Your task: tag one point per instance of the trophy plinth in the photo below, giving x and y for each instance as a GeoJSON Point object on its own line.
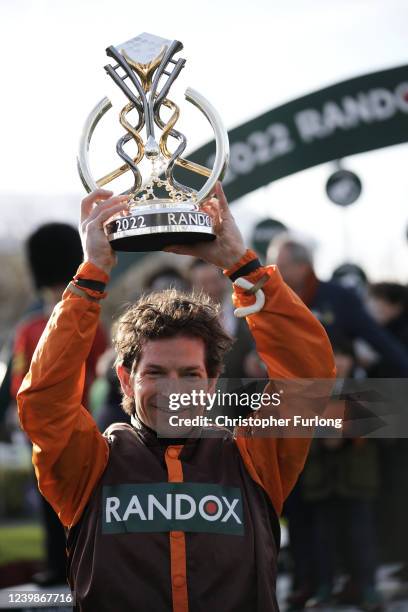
{"type": "Point", "coordinates": [154, 225]}
{"type": "Point", "coordinates": [162, 211]}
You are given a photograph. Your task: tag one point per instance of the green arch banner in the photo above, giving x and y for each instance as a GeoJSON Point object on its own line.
{"type": "Point", "coordinates": [364, 113]}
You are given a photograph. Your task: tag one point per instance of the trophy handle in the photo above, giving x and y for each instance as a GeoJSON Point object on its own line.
{"type": "Point", "coordinates": [191, 95]}
{"type": "Point", "coordinates": [221, 141]}
{"type": "Point", "coordinates": [91, 122]}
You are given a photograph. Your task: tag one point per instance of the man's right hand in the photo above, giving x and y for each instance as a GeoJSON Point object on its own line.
{"type": "Point", "coordinates": [96, 209]}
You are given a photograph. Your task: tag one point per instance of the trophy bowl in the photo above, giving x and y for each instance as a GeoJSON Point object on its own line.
{"type": "Point", "coordinates": [161, 211]}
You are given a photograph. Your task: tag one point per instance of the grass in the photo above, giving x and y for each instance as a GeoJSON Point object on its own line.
{"type": "Point", "coordinates": [21, 543]}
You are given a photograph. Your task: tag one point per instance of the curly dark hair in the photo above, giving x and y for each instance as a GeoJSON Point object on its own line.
{"type": "Point", "coordinates": [168, 314]}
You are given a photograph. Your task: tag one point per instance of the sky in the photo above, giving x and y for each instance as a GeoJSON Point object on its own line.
{"type": "Point", "coordinates": [246, 58]}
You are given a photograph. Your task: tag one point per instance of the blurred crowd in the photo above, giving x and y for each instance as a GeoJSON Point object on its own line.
{"type": "Point", "coordinates": [346, 515]}
{"type": "Point", "coordinates": [347, 512]}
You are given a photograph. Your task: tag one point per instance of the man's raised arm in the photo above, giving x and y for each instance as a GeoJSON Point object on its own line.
{"type": "Point", "coordinates": [69, 453]}
{"type": "Point", "coordinates": [293, 345]}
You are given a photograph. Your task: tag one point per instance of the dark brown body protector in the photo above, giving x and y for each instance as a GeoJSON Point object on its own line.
{"type": "Point", "coordinates": [119, 552]}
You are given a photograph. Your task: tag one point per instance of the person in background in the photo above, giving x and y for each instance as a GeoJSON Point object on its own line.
{"type": "Point", "coordinates": [339, 486]}
{"type": "Point", "coordinates": [54, 252]}
{"type": "Point", "coordinates": [388, 304]}
{"type": "Point", "coordinates": [340, 310]}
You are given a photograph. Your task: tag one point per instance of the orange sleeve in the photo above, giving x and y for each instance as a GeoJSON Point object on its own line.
{"type": "Point", "coordinates": [293, 345]}
{"type": "Point", "coordinates": [69, 453]}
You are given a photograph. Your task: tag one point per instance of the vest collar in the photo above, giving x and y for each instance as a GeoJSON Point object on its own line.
{"type": "Point", "coordinates": [150, 437]}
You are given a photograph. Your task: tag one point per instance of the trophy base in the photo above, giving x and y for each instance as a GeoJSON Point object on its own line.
{"type": "Point", "coordinates": [157, 242]}
{"type": "Point", "coordinates": [153, 226]}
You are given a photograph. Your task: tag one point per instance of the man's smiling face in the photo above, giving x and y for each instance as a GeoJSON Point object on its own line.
{"type": "Point", "coordinates": [178, 361]}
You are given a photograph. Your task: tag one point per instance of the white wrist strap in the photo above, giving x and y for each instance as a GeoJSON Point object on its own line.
{"type": "Point", "coordinates": [259, 303]}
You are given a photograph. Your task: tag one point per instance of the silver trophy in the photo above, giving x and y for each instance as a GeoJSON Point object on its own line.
{"type": "Point", "coordinates": [162, 210]}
